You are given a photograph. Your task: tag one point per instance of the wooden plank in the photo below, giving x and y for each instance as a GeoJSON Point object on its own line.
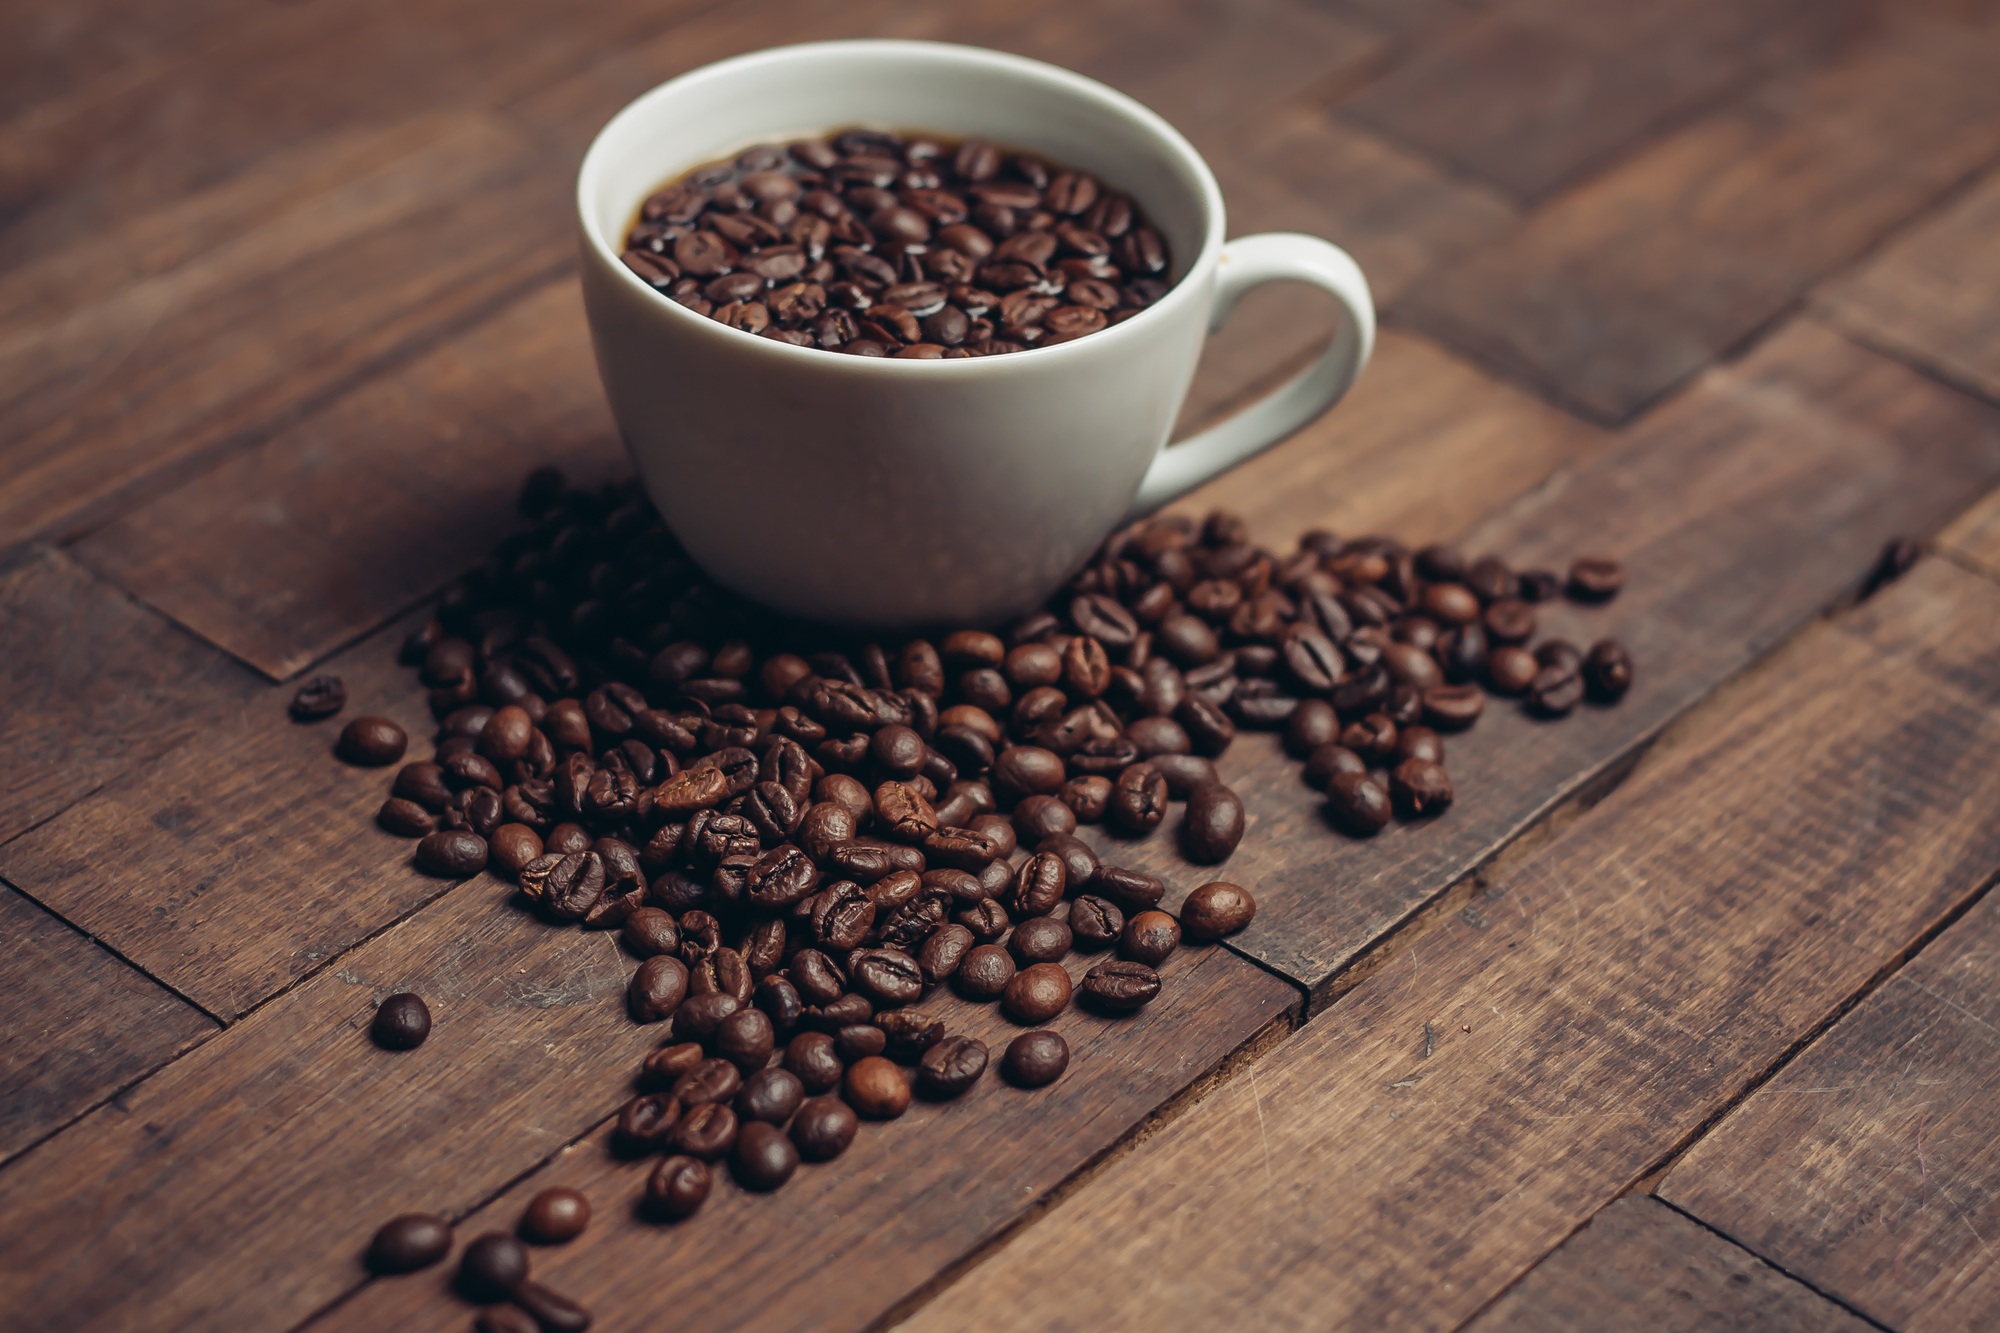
{"type": "Point", "coordinates": [301, 543]}
{"type": "Point", "coordinates": [1740, 510]}
{"type": "Point", "coordinates": [1933, 294]}
{"type": "Point", "coordinates": [245, 858]}
{"type": "Point", "coordinates": [95, 684]}
{"type": "Point", "coordinates": [1640, 1264]}
{"type": "Point", "coordinates": [1403, 1157]}
{"type": "Point", "coordinates": [279, 1146]}
{"type": "Point", "coordinates": [1868, 1165]}
{"type": "Point", "coordinates": [156, 376]}
{"type": "Point", "coordinates": [1531, 95]}
{"type": "Point", "coordinates": [1631, 282]}
{"type": "Point", "coordinates": [47, 51]}
{"type": "Point", "coordinates": [887, 1216]}
{"type": "Point", "coordinates": [80, 1024]}
{"type": "Point", "coordinates": [1975, 537]}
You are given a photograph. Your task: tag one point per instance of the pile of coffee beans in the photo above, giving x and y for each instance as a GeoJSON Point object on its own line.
{"type": "Point", "coordinates": [896, 245]}
{"type": "Point", "coordinates": [801, 835]}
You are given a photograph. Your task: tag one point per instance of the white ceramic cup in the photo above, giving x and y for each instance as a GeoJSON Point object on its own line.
{"type": "Point", "coordinates": [879, 492]}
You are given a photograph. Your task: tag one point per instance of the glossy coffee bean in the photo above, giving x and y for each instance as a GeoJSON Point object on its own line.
{"type": "Point", "coordinates": [1607, 671]}
{"type": "Point", "coordinates": [550, 1310]}
{"type": "Point", "coordinates": [770, 1095]}
{"type": "Point", "coordinates": [452, 854]}
{"type": "Point", "coordinates": [1149, 938]}
{"type": "Point", "coordinates": [745, 1038]}
{"type": "Point", "coordinates": [949, 1068]}
{"type": "Point", "coordinates": [650, 931]}
{"type": "Point", "coordinates": [1420, 788]}
{"type": "Point", "coordinates": [402, 1022]}
{"type": "Point", "coordinates": [986, 973]}
{"type": "Point", "coordinates": [1120, 986]}
{"type": "Point", "coordinates": [1035, 1059]}
{"type": "Point", "coordinates": [823, 1128]}
{"type": "Point", "coordinates": [1213, 825]}
{"type": "Point", "coordinates": [658, 989]}
{"type": "Point", "coordinates": [1095, 923]}
{"type": "Point", "coordinates": [707, 1131]}
{"type": "Point", "coordinates": [492, 1266]}
{"type": "Point", "coordinates": [812, 1057]}
{"type": "Point", "coordinates": [1358, 803]}
{"type": "Point", "coordinates": [876, 1088]}
{"type": "Point", "coordinates": [1327, 760]}
{"type": "Point", "coordinates": [1595, 579]}
{"type": "Point", "coordinates": [763, 1158]}
{"type": "Point", "coordinates": [1216, 909]}
{"type": "Point", "coordinates": [407, 1243]}
{"type": "Point", "coordinates": [555, 1216]}
{"type": "Point", "coordinates": [320, 697]}
{"type": "Point", "coordinates": [1039, 939]}
{"type": "Point", "coordinates": [710, 1081]}
{"type": "Point", "coordinates": [678, 1186]}
{"type": "Point", "coordinates": [1037, 993]}
{"type": "Point", "coordinates": [371, 742]}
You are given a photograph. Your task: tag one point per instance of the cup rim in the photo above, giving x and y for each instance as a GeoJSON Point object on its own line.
{"type": "Point", "coordinates": [1103, 95]}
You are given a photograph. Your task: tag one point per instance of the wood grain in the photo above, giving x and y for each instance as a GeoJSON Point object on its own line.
{"type": "Point", "coordinates": [1631, 282]}
{"type": "Point", "coordinates": [1403, 1157]}
{"type": "Point", "coordinates": [843, 1243]}
{"type": "Point", "coordinates": [80, 1024]}
{"type": "Point", "coordinates": [1531, 95]}
{"type": "Point", "coordinates": [1975, 536]}
{"type": "Point", "coordinates": [49, 50]}
{"type": "Point", "coordinates": [1639, 1264]}
{"type": "Point", "coordinates": [246, 857]}
{"type": "Point", "coordinates": [1739, 510]}
{"type": "Point", "coordinates": [155, 376]}
{"type": "Point", "coordinates": [94, 684]}
{"type": "Point", "coordinates": [1868, 1165]}
{"type": "Point", "coordinates": [315, 536]}
{"type": "Point", "coordinates": [1933, 294]}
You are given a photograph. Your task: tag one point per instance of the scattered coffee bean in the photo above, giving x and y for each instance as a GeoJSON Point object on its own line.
{"type": "Point", "coordinates": [823, 1128]}
{"type": "Point", "coordinates": [1121, 986]}
{"type": "Point", "coordinates": [770, 1095]}
{"type": "Point", "coordinates": [371, 742]}
{"type": "Point", "coordinates": [1216, 909]}
{"type": "Point", "coordinates": [555, 1216]}
{"type": "Point", "coordinates": [407, 1243]}
{"type": "Point", "coordinates": [812, 1057]}
{"type": "Point", "coordinates": [1213, 826]}
{"type": "Point", "coordinates": [951, 1066]}
{"type": "Point", "coordinates": [1607, 670]}
{"type": "Point", "coordinates": [1420, 788]}
{"type": "Point", "coordinates": [986, 973]}
{"type": "Point", "coordinates": [1039, 939]}
{"type": "Point", "coordinates": [1358, 803]}
{"type": "Point", "coordinates": [1150, 937]}
{"type": "Point", "coordinates": [1035, 1059]}
{"type": "Point", "coordinates": [678, 1186]}
{"type": "Point", "coordinates": [876, 1088]}
{"type": "Point", "coordinates": [552, 1311]}
{"type": "Point", "coordinates": [764, 1158]}
{"type": "Point", "coordinates": [707, 1131]}
{"type": "Point", "coordinates": [452, 854]}
{"type": "Point", "coordinates": [1094, 922]}
{"type": "Point", "coordinates": [1037, 993]}
{"type": "Point", "coordinates": [1595, 579]}
{"type": "Point", "coordinates": [658, 989]}
{"type": "Point", "coordinates": [402, 1021]}
{"type": "Point", "coordinates": [504, 1319]}
{"type": "Point", "coordinates": [320, 697]}
{"type": "Point", "coordinates": [492, 1266]}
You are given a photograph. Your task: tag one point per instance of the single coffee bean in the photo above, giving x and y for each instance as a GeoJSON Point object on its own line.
{"type": "Point", "coordinates": [1213, 826]}
{"type": "Point", "coordinates": [710, 1081]}
{"type": "Point", "coordinates": [1121, 987]}
{"type": "Point", "coordinates": [1138, 800]}
{"type": "Point", "coordinates": [1040, 939]}
{"type": "Point", "coordinates": [658, 988]}
{"type": "Point", "coordinates": [555, 1216]}
{"type": "Point", "coordinates": [1358, 803]}
{"type": "Point", "coordinates": [1039, 884]}
{"type": "Point", "coordinates": [504, 1319]}
{"type": "Point", "coordinates": [1511, 669]}
{"type": "Point", "coordinates": [699, 1016]}
{"type": "Point", "coordinates": [1328, 760]}
{"type": "Point", "coordinates": [511, 847]}
{"type": "Point", "coordinates": [1037, 993]}
{"type": "Point", "coordinates": [986, 973]}
{"type": "Point", "coordinates": [1419, 743]}
{"type": "Point", "coordinates": [492, 1266]}
{"type": "Point", "coordinates": [1133, 890]}
{"type": "Point", "coordinates": [823, 1128]}
{"type": "Point", "coordinates": [407, 1243]}
{"type": "Point", "coordinates": [406, 818]}
{"type": "Point", "coordinates": [1039, 817]}
{"type": "Point", "coordinates": [812, 1057]}
{"type": "Point", "coordinates": [1095, 923]}
{"type": "Point", "coordinates": [707, 1131]}
{"type": "Point", "coordinates": [1595, 579]}
{"type": "Point", "coordinates": [888, 976]}
{"type": "Point", "coordinates": [650, 931]}
{"type": "Point", "coordinates": [1150, 937]}
{"type": "Point", "coordinates": [1559, 653]}
{"type": "Point", "coordinates": [858, 1041]}
{"type": "Point", "coordinates": [1420, 787]}
{"type": "Point", "coordinates": [745, 1039]}
{"type": "Point", "coordinates": [943, 952]}
{"type": "Point", "coordinates": [1453, 707]}
{"type": "Point", "coordinates": [1607, 670]}
{"type": "Point", "coordinates": [664, 1067]}
{"type": "Point", "coordinates": [402, 1021]}
{"type": "Point", "coordinates": [551, 1311]}
{"type": "Point", "coordinates": [1035, 1059]}
{"type": "Point", "coordinates": [371, 742]}
{"type": "Point", "coordinates": [764, 1158]}
{"type": "Point", "coordinates": [320, 697]}
{"type": "Point", "coordinates": [1312, 724]}
{"type": "Point", "coordinates": [1214, 910]}
{"type": "Point", "coordinates": [876, 1088]}
{"type": "Point", "coordinates": [770, 1095]}
{"type": "Point", "coordinates": [1556, 692]}
{"type": "Point", "coordinates": [678, 1186]}
{"type": "Point", "coordinates": [951, 1066]}
{"type": "Point", "coordinates": [451, 854]}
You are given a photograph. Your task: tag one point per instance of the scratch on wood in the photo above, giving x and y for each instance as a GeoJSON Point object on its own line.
{"type": "Point", "coordinates": [1430, 1039]}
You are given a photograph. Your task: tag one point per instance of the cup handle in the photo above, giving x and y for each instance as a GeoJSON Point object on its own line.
{"type": "Point", "coordinates": [1246, 262]}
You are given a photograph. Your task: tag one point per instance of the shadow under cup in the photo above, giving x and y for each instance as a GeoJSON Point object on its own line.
{"type": "Point", "coordinates": [874, 491]}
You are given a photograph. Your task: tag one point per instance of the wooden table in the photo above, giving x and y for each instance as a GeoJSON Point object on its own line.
{"type": "Point", "coordinates": [1684, 1017]}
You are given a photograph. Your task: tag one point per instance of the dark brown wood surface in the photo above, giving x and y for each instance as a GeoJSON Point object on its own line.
{"type": "Point", "coordinates": [1868, 1165]}
{"type": "Point", "coordinates": [287, 307]}
{"type": "Point", "coordinates": [1641, 1265]}
{"type": "Point", "coordinates": [1459, 1113]}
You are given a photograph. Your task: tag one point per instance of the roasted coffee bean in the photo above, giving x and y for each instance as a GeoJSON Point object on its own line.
{"type": "Point", "coordinates": [985, 919]}
{"type": "Point", "coordinates": [1607, 670]}
{"type": "Point", "coordinates": [1312, 724]}
{"type": "Point", "coordinates": [644, 1123]}
{"type": "Point", "coordinates": [1419, 743]}
{"type": "Point", "coordinates": [658, 988]}
{"type": "Point", "coordinates": [699, 1016]}
{"type": "Point", "coordinates": [1039, 884]}
{"type": "Point", "coordinates": [707, 1131]}
{"type": "Point", "coordinates": [1595, 579]}
{"type": "Point", "coordinates": [1327, 760]}
{"type": "Point", "coordinates": [551, 1311]}
{"type": "Point", "coordinates": [678, 1186]}
{"type": "Point", "coordinates": [555, 1216]}
{"type": "Point", "coordinates": [402, 1021]}
{"type": "Point", "coordinates": [1027, 770]}
{"type": "Point", "coordinates": [1121, 987]}
{"type": "Point", "coordinates": [405, 1244]}
{"type": "Point", "coordinates": [511, 847]}
{"type": "Point", "coordinates": [1039, 939]}
{"type": "Point", "coordinates": [1095, 923]}
{"type": "Point", "coordinates": [763, 1158]}
{"type": "Point", "coordinates": [1216, 909]}
{"type": "Point", "coordinates": [770, 1095]}
{"type": "Point", "coordinates": [950, 1067]}
{"type": "Point", "coordinates": [1133, 890]}
{"type": "Point", "coordinates": [745, 1038]}
{"type": "Point", "coordinates": [1035, 1059]}
{"type": "Point", "coordinates": [1150, 937]}
{"type": "Point", "coordinates": [320, 697]}
{"type": "Point", "coordinates": [823, 1128]}
{"type": "Point", "coordinates": [943, 952]}
{"type": "Point", "coordinates": [1419, 787]}
{"type": "Point", "coordinates": [876, 1088]}
{"type": "Point", "coordinates": [812, 1057]}
{"type": "Point", "coordinates": [1213, 826]}
{"type": "Point", "coordinates": [1511, 670]}
{"type": "Point", "coordinates": [986, 973]}
{"type": "Point", "coordinates": [1208, 727]}
{"type": "Point", "coordinates": [492, 1267]}
{"type": "Point", "coordinates": [664, 1067]}
{"type": "Point", "coordinates": [1037, 993]}
{"type": "Point", "coordinates": [649, 931]}
{"type": "Point", "coordinates": [1039, 817]}
{"type": "Point", "coordinates": [405, 818]}
{"type": "Point", "coordinates": [1453, 707]}
{"type": "Point", "coordinates": [887, 976]}
{"type": "Point", "coordinates": [908, 1034]}
{"type": "Point", "coordinates": [371, 742]}
{"type": "Point", "coordinates": [504, 1319]}
{"type": "Point", "coordinates": [1357, 802]}
{"type": "Point", "coordinates": [1556, 691]}
{"type": "Point", "coordinates": [1139, 800]}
